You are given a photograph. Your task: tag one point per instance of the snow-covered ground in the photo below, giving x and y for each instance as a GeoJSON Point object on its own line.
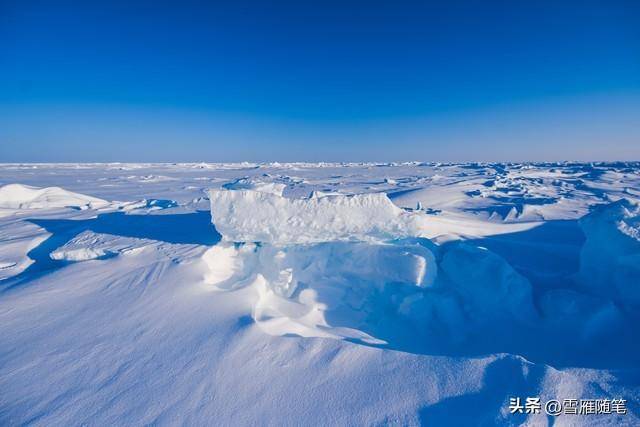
{"type": "Point", "coordinates": [318, 294]}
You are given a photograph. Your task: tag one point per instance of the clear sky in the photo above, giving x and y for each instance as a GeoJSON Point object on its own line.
{"type": "Point", "coordinates": [313, 81]}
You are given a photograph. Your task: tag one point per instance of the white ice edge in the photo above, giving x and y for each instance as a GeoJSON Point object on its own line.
{"type": "Point", "coordinates": [253, 216]}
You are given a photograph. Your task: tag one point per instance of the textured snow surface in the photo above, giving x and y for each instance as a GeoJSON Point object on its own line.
{"type": "Point", "coordinates": [317, 294]}
{"type": "Point", "coordinates": [90, 245]}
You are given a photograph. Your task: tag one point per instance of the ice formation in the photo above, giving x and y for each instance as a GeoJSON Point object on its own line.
{"type": "Point", "coordinates": [301, 286]}
{"type": "Point", "coordinates": [610, 257]}
{"type": "Point", "coordinates": [18, 196]}
{"type": "Point", "coordinates": [256, 185]}
{"type": "Point", "coordinates": [353, 258]}
{"type": "Point", "coordinates": [89, 245]}
{"type": "Point", "coordinates": [346, 267]}
{"type": "Point", "coordinates": [147, 205]}
{"type": "Point", "coordinates": [319, 257]}
{"type": "Point", "coordinates": [487, 284]}
{"type": "Point", "coordinates": [252, 216]}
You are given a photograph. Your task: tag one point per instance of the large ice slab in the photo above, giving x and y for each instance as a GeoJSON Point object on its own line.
{"type": "Point", "coordinates": [252, 216]}
{"type": "Point", "coordinates": [18, 196]}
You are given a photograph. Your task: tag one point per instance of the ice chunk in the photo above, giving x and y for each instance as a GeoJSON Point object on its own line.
{"type": "Point", "coordinates": [18, 196]}
{"type": "Point", "coordinates": [256, 185]}
{"type": "Point", "coordinates": [148, 205]}
{"type": "Point", "coordinates": [89, 245]}
{"type": "Point", "coordinates": [251, 216]}
{"type": "Point", "coordinates": [81, 254]}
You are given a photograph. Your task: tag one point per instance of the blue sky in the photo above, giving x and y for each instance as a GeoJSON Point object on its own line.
{"type": "Point", "coordinates": [335, 81]}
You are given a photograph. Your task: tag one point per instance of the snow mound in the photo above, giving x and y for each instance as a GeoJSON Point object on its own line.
{"type": "Point", "coordinates": [252, 216]}
{"type": "Point", "coordinates": [610, 257]}
{"type": "Point", "coordinates": [408, 294]}
{"type": "Point", "coordinates": [331, 290]}
{"type": "Point", "coordinates": [487, 283]}
{"type": "Point", "coordinates": [18, 196]}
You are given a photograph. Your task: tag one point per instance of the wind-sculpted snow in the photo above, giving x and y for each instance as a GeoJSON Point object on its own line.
{"type": "Point", "coordinates": [17, 196]}
{"type": "Point", "coordinates": [89, 245]}
{"type": "Point", "coordinates": [610, 257]}
{"type": "Point", "coordinates": [301, 294]}
{"type": "Point", "coordinates": [370, 291]}
{"type": "Point", "coordinates": [253, 216]}
{"type": "Point", "coordinates": [302, 288]}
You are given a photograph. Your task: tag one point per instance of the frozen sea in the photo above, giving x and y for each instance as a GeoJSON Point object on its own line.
{"type": "Point", "coordinates": [319, 294]}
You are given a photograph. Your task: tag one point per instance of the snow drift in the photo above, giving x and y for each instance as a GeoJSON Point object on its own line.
{"type": "Point", "coordinates": [610, 257]}
{"type": "Point", "coordinates": [18, 196]}
{"type": "Point", "coordinates": [89, 245]}
{"type": "Point", "coordinates": [406, 293]}
{"type": "Point", "coordinates": [332, 289]}
{"type": "Point", "coordinates": [253, 216]}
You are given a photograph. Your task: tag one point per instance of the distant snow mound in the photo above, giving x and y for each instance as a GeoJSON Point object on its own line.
{"type": "Point", "coordinates": [256, 185]}
{"type": "Point", "coordinates": [18, 196]}
{"type": "Point", "coordinates": [89, 245]}
{"type": "Point", "coordinates": [610, 257]}
{"type": "Point", "coordinates": [148, 205]}
{"type": "Point", "coordinates": [252, 216]}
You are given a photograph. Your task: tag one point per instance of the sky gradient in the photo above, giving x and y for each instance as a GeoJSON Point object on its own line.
{"type": "Point", "coordinates": [332, 81]}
